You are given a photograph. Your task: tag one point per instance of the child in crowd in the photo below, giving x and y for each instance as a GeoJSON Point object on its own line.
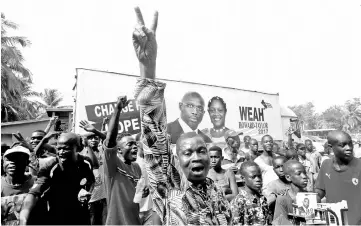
{"type": "Point", "coordinates": [278, 186]}
{"type": "Point", "coordinates": [223, 178]}
{"type": "Point", "coordinates": [296, 175]}
{"type": "Point", "coordinates": [327, 152]}
{"type": "Point", "coordinates": [250, 206]}
{"type": "Point", "coordinates": [291, 154]}
{"type": "Point", "coordinates": [301, 150]}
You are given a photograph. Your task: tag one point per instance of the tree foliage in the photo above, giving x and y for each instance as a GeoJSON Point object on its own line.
{"type": "Point", "coordinates": [343, 117]}
{"type": "Point", "coordinates": [16, 79]}
{"type": "Point", "coordinates": [306, 114]}
{"type": "Point", "coordinates": [51, 98]}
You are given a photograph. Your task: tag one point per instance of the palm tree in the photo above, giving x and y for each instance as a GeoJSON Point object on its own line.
{"type": "Point", "coordinates": [15, 78]}
{"type": "Point", "coordinates": [352, 117]}
{"type": "Point", "coordinates": [51, 98]}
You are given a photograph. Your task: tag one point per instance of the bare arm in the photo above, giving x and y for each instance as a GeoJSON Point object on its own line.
{"type": "Point", "coordinates": [233, 185]}
{"type": "Point", "coordinates": [85, 125]}
{"type": "Point", "coordinates": [51, 124]}
{"type": "Point", "coordinates": [111, 137]}
{"type": "Point", "coordinates": [41, 185]}
{"type": "Point", "coordinates": [290, 143]}
{"type": "Point", "coordinates": [320, 194]}
{"type": "Point", "coordinates": [104, 123]}
{"type": "Point", "coordinates": [28, 205]}
{"type": "Point", "coordinates": [45, 140]}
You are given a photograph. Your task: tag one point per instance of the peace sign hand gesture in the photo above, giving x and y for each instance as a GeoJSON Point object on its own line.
{"type": "Point", "coordinates": [145, 44]}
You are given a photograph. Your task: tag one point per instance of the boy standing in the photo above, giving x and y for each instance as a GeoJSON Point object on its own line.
{"type": "Point", "coordinates": [301, 150]}
{"type": "Point", "coordinates": [296, 175]}
{"type": "Point", "coordinates": [278, 186]}
{"type": "Point", "coordinates": [223, 178]}
{"type": "Point", "coordinates": [250, 206]}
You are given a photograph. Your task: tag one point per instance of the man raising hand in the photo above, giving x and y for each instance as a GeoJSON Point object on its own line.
{"type": "Point", "coordinates": [182, 193]}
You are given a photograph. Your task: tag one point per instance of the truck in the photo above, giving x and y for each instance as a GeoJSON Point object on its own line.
{"type": "Point", "coordinates": [250, 112]}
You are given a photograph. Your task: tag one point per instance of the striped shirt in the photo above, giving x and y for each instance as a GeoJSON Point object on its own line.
{"type": "Point", "coordinates": [182, 203]}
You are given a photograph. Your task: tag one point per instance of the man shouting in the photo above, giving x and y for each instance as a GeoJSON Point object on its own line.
{"type": "Point", "coordinates": [182, 193]}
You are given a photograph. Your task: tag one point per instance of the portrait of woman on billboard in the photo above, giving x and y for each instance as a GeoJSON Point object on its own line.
{"type": "Point", "coordinates": [217, 110]}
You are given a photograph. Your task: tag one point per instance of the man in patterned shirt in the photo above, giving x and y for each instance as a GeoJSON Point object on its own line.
{"type": "Point", "coordinates": [250, 206]}
{"type": "Point", "coordinates": [182, 194]}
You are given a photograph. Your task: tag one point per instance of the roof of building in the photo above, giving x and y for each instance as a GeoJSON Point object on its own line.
{"type": "Point", "coordinates": [60, 109]}
{"type": "Point", "coordinates": [286, 112]}
{"type": "Point", "coordinates": [4, 124]}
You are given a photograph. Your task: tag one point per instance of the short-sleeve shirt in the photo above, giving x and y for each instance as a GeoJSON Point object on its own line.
{"type": "Point", "coordinates": [12, 198]}
{"type": "Point", "coordinates": [282, 209]}
{"type": "Point", "coordinates": [99, 189]}
{"type": "Point", "coordinates": [248, 209]}
{"type": "Point", "coordinates": [268, 174]}
{"type": "Point", "coordinates": [342, 185]}
{"type": "Point", "coordinates": [120, 185]}
{"type": "Point", "coordinates": [274, 188]}
{"type": "Point", "coordinates": [315, 159]}
{"type": "Point", "coordinates": [61, 189]}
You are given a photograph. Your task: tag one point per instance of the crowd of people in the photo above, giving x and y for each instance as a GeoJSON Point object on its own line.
{"type": "Point", "coordinates": [153, 178]}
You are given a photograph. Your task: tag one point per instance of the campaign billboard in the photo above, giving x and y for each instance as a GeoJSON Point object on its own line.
{"type": "Point", "coordinates": [207, 109]}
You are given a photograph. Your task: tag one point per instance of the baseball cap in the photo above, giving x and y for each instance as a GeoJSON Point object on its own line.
{"type": "Point", "coordinates": [231, 133]}
{"type": "Point", "coordinates": [17, 149]}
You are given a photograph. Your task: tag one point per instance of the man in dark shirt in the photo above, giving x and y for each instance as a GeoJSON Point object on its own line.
{"type": "Point", "coordinates": [340, 177]}
{"type": "Point", "coordinates": [65, 185]}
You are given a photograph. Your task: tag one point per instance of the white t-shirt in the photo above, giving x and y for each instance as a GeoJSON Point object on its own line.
{"type": "Point", "coordinates": [268, 175]}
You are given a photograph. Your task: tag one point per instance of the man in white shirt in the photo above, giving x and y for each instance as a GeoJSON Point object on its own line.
{"type": "Point", "coordinates": [192, 111]}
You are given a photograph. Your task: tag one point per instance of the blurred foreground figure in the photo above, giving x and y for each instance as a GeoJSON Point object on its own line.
{"type": "Point", "coordinates": [340, 177]}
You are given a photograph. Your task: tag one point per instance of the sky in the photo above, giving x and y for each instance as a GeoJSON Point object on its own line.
{"type": "Point", "coordinates": [306, 50]}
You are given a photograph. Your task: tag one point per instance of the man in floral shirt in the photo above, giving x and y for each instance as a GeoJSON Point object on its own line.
{"type": "Point", "coordinates": [182, 193]}
{"type": "Point", "coordinates": [250, 206]}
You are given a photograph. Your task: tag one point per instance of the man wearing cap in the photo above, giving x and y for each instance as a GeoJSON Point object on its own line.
{"type": "Point", "coordinates": [232, 153]}
{"type": "Point", "coordinates": [15, 183]}
{"type": "Point", "coordinates": [65, 182]}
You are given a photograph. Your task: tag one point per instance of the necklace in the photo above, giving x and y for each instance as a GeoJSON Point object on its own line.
{"type": "Point", "coordinates": [218, 130]}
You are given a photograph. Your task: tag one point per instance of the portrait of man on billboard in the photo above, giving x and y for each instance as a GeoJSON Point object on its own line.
{"type": "Point", "coordinates": [191, 114]}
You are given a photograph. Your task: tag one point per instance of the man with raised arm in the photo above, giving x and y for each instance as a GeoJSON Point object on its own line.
{"type": "Point", "coordinates": [121, 172]}
{"type": "Point", "coordinates": [182, 193]}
